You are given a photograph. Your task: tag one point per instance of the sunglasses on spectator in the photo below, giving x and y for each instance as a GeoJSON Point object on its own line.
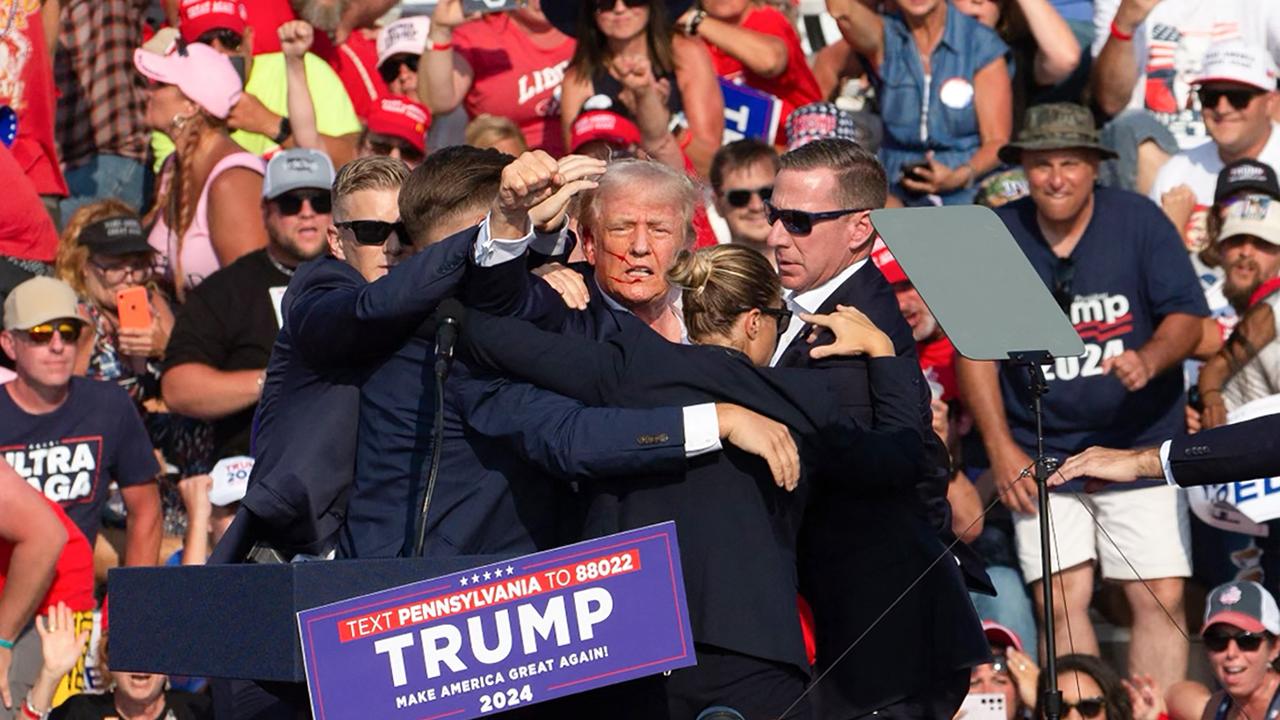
{"type": "Point", "coordinates": [1239, 98]}
{"type": "Point", "coordinates": [374, 232]}
{"type": "Point", "coordinates": [384, 144]}
{"type": "Point", "coordinates": [290, 203]}
{"type": "Point", "coordinates": [1063, 275]}
{"type": "Point", "coordinates": [115, 274]}
{"type": "Point", "coordinates": [801, 222]}
{"type": "Point", "coordinates": [1217, 640]}
{"type": "Point", "coordinates": [1087, 707]}
{"type": "Point", "coordinates": [782, 315]}
{"type": "Point", "coordinates": [390, 70]}
{"type": "Point", "coordinates": [607, 5]}
{"type": "Point", "coordinates": [740, 198]}
{"type": "Point", "coordinates": [42, 334]}
{"type": "Point", "coordinates": [229, 39]}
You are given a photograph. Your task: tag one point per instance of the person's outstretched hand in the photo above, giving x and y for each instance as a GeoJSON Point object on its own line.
{"type": "Point", "coordinates": [1104, 465]}
{"type": "Point", "coordinates": [1146, 697]}
{"type": "Point", "coordinates": [60, 644]}
{"type": "Point", "coordinates": [854, 331]}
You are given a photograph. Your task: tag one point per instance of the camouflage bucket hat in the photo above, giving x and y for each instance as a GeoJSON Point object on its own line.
{"type": "Point", "coordinates": [1056, 126]}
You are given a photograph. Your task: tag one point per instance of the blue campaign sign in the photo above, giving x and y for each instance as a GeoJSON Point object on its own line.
{"type": "Point", "coordinates": [530, 629]}
{"type": "Point", "coordinates": [749, 113]}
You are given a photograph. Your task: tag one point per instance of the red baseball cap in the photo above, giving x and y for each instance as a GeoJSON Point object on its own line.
{"type": "Point", "coordinates": [887, 263]}
{"type": "Point", "coordinates": [603, 125]}
{"type": "Point", "coordinates": [403, 118]}
{"type": "Point", "coordinates": [197, 17]}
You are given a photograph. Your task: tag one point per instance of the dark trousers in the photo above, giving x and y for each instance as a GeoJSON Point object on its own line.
{"type": "Point", "coordinates": [939, 704]}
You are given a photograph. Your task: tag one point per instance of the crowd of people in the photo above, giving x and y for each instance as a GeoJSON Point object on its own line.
{"type": "Point", "coordinates": [229, 221]}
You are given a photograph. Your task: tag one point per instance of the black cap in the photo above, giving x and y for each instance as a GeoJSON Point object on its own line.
{"type": "Point", "coordinates": [121, 235]}
{"type": "Point", "coordinates": [1246, 175]}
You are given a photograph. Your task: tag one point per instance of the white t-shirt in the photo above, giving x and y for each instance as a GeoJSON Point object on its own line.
{"type": "Point", "coordinates": [1170, 44]}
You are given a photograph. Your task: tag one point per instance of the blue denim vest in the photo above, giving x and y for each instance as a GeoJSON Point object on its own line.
{"type": "Point", "coordinates": [951, 130]}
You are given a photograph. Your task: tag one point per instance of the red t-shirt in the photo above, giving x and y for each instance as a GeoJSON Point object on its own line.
{"type": "Point", "coordinates": [796, 85]}
{"type": "Point", "coordinates": [356, 64]}
{"type": "Point", "coordinates": [26, 230]}
{"type": "Point", "coordinates": [72, 575]}
{"type": "Point", "coordinates": [515, 78]}
{"type": "Point", "coordinates": [266, 17]}
{"type": "Point", "coordinates": [940, 356]}
{"type": "Point", "coordinates": [26, 85]}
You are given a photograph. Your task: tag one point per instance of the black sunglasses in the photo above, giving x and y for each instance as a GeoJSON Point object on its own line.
{"type": "Point", "coordinates": [741, 198]}
{"type": "Point", "coordinates": [607, 5]}
{"type": "Point", "coordinates": [782, 315]}
{"type": "Point", "coordinates": [1063, 274]}
{"type": "Point", "coordinates": [1239, 98]}
{"type": "Point", "coordinates": [1217, 640]}
{"type": "Point", "coordinates": [374, 232]}
{"type": "Point", "coordinates": [230, 39]}
{"type": "Point", "coordinates": [390, 70]}
{"type": "Point", "coordinates": [290, 203]}
{"type": "Point", "coordinates": [1088, 707]}
{"type": "Point", "coordinates": [42, 334]}
{"type": "Point", "coordinates": [801, 222]}
{"type": "Point", "coordinates": [383, 145]}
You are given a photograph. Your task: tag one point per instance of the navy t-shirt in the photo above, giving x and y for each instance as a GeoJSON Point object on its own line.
{"type": "Point", "coordinates": [73, 453]}
{"type": "Point", "coordinates": [1130, 272]}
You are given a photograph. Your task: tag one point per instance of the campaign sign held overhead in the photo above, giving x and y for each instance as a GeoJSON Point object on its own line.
{"type": "Point", "coordinates": [518, 632]}
{"type": "Point", "coordinates": [749, 113]}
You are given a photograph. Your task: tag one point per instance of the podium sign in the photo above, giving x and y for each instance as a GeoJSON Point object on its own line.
{"type": "Point", "coordinates": [1245, 506]}
{"type": "Point", "coordinates": [517, 632]}
{"type": "Point", "coordinates": [749, 113]}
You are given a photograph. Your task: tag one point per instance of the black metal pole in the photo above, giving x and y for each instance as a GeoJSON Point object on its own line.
{"type": "Point", "coordinates": [1052, 702]}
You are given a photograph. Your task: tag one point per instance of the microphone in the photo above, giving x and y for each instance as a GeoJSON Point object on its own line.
{"type": "Point", "coordinates": [448, 323]}
{"type": "Point", "coordinates": [720, 712]}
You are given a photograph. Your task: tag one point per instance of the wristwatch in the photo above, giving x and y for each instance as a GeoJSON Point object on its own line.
{"type": "Point", "coordinates": [286, 129]}
{"type": "Point", "coordinates": [691, 27]}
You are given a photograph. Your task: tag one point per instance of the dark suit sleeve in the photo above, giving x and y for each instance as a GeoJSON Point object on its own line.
{"type": "Point", "coordinates": [581, 368]}
{"type": "Point", "coordinates": [573, 441]}
{"type": "Point", "coordinates": [509, 289]}
{"type": "Point", "coordinates": [341, 320]}
{"type": "Point", "coordinates": [1231, 453]}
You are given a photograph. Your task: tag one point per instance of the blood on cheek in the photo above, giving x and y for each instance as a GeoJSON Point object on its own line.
{"type": "Point", "coordinates": [626, 280]}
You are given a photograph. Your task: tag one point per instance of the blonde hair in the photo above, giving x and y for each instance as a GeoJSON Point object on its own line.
{"type": "Point", "coordinates": [72, 256]}
{"type": "Point", "coordinates": [487, 131]}
{"type": "Point", "coordinates": [376, 172]}
{"type": "Point", "coordinates": [720, 283]}
{"type": "Point", "coordinates": [628, 177]}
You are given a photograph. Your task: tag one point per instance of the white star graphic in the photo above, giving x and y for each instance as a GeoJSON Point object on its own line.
{"type": "Point", "coordinates": [487, 574]}
{"type": "Point", "coordinates": [497, 572]}
{"type": "Point", "coordinates": [464, 581]}
{"type": "Point", "coordinates": [509, 570]}
{"type": "Point", "coordinates": [475, 578]}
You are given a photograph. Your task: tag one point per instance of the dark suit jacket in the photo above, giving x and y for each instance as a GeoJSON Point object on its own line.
{"type": "Point", "coordinates": [305, 434]}
{"type": "Point", "coordinates": [1230, 453]}
{"type": "Point", "coordinates": [860, 551]}
{"type": "Point", "coordinates": [508, 450]}
{"type": "Point", "coordinates": [737, 529]}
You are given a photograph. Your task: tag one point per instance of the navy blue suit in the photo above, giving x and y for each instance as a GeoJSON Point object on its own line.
{"type": "Point", "coordinates": [1231, 453]}
{"type": "Point", "coordinates": [860, 550]}
{"type": "Point", "coordinates": [505, 444]}
{"type": "Point", "coordinates": [305, 435]}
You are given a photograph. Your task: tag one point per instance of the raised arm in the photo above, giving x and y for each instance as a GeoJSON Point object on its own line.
{"type": "Point", "coordinates": [703, 102]}
{"type": "Point", "coordinates": [861, 26]}
{"type": "Point", "coordinates": [1057, 50]}
{"type": "Point", "coordinates": [295, 40]}
{"type": "Point", "coordinates": [1115, 70]}
{"type": "Point", "coordinates": [445, 76]}
{"type": "Point", "coordinates": [764, 55]}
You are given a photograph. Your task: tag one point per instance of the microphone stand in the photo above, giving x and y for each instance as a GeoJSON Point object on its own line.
{"type": "Point", "coordinates": [1037, 385]}
{"type": "Point", "coordinates": [446, 333]}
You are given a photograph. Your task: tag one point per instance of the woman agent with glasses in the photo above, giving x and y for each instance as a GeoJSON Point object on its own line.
{"type": "Point", "coordinates": [737, 525]}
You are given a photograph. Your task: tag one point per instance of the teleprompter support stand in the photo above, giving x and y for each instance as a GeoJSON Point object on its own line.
{"type": "Point", "coordinates": [951, 255]}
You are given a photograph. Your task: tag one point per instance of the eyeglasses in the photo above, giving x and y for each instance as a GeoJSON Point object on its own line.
{"type": "Point", "coordinates": [742, 197]}
{"type": "Point", "coordinates": [1217, 640]}
{"type": "Point", "coordinates": [115, 274]}
{"type": "Point", "coordinates": [782, 315]}
{"type": "Point", "coordinates": [383, 145]}
{"type": "Point", "coordinates": [1087, 707]}
{"type": "Point", "coordinates": [607, 5]}
{"type": "Point", "coordinates": [1239, 98]}
{"type": "Point", "coordinates": [800, 222]}
{"type": "Point", "coordinates": [42, 334]}
{"type": "Point", "coordinates": [228, 38]}
{"type": "Point", "coordinates": [1063, 274]}
{"type": "Point", "coordinates": [390, 70]}
{"type": "Point", "coordinates": [374, 232]}
{"type": "Point", "coordinates": [290, 203]}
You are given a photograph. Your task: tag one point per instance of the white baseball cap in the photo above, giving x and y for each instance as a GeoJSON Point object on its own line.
{"type": "Point", "coordinates": [1238, 61]}
{"type": "Point", "coordinates": [230, 480]}
{"type": "Point", "coordinates": [406, 35]}
{"type": "Point", "coordinates": [1256, 215]}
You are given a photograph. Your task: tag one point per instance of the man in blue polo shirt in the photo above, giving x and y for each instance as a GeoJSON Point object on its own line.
{"type": "Point", "coordinates": [1117, 267]}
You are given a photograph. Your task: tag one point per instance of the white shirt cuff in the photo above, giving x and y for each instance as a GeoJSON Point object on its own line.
{"type": "Point", "coordinates": [1164, 463]}
{"type": "Point", "coordinates": [491, 251]}
{"type": "Point", "coordinates": [701, 430]}
{"type": "Point", "coordinates": [550, 243]}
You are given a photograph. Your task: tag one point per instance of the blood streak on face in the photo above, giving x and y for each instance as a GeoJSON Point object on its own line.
{"type": "Point", "coordinates": [633, 245]}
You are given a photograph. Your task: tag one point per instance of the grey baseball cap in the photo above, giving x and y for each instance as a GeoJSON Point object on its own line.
{"type": "Point", "coordinates": [297, 168]}
{"type": "Point", "coordinates": [1245, 604]}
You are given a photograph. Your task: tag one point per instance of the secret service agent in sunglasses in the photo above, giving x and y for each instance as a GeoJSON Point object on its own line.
{"type": "Point", "coordinates": [801, 222]}
{"type": "Point", "coordinates": [374, 232]}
